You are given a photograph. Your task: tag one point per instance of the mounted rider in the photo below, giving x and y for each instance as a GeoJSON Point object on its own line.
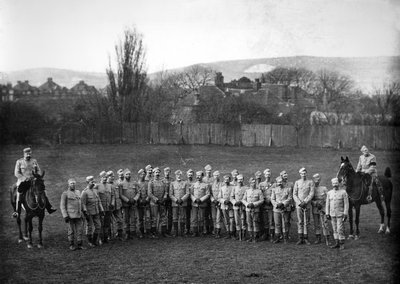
{"type": "Point", "coordinates": [24, 169]}
{"type": "Point", "coordinates": [367, 164]}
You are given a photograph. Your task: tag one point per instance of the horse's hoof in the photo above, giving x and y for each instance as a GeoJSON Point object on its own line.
{"type": "Point", "coordinates": [387, 231]}
{"type": "Point", "coordinates": [30, 246]}
{"type": "Point", "coordinates": [20, 241]}
{"type": "Point", "coordinates": [356, 237]}
{"type": "Point", "coordinates": [40, 246]}
{"type": "Point", "coordinates": [350, 237]}
{"type": "Point", "coordinates": [26, 238]}
{"type": "Point", "coordinates": [381, 231]}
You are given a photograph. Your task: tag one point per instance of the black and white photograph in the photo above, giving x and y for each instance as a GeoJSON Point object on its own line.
{"type": "Point", "coordinates": [199, 141]}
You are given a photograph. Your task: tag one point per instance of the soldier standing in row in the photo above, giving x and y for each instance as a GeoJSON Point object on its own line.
{"type": "Point", "coordinates": [337, 208]}
{"type": "Point", "coordinates": [121, 178]}
{"type": "Point", "coordinates": [179, 194]}
{"type": "Point", "coordinates": [208, 179]}
{"type": "Point", "coordinates": [116, 204]}
{"type": "Point", "coordinates": [71, 210]}
{"type": "Point", "coordinates": [199, 193]}
{"type": "Point", "coordinates": [267, 213]}
{"type": "Point", "coordinates": [258, 178]}
{"type": "Point", "coordinates": [238, 208]}
{"type": "Point", "coordinates": [158, 194]}
{"type": "Point", "coordinates": [189, 182]}
{"type": "Point", "coordinates": [292, 207]}
{"type": "Point", "coordinates": [92, 209]}
{"type": "Point", "coordinates": [252, 200]}
{"type": "Point", "coordinates": [167, 179]}
{"type": "Point", "coordinates": [318, 206]}
{"type": "Point", "coordinates": [281, 199]}
{"type": "Point", "coordinates": [216, 215]}
{"type": "Point", "coordinates": [104, 192]}
{"type": "Point", "coordinates": [224, 197]}
{"type": "Point", "coordinates": [143, 204]}
{"type": "Point", "coordinates": [129, 196]}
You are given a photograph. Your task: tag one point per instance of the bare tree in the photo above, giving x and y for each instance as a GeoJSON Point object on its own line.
{"type": "Point", "coordinates": [301, 77]}
{"type": "Point", "coordinates": [194, 77]}
{"type": "Point", "coordinates": [388, 101]}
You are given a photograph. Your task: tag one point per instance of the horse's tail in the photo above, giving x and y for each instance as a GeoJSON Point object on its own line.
{"type": "Point", "coordinates": [388, 172]}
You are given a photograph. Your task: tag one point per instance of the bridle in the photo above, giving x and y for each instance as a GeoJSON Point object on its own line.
{"type": "Point", "coordinates": [35, 195]}
{"type": "Point", "coordinates": [345, 168]}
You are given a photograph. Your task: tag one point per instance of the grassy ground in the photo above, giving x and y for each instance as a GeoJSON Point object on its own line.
{"type": "Point", "coordinates": [374, 258]}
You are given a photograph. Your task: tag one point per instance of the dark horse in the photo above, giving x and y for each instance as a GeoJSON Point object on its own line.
{"type": "Point", "coordinates": [357, 185]}
{"type": "Point", "coordinates": [33, 201]}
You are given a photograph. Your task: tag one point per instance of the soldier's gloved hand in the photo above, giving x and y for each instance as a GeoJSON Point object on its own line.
{"type": "Point", "coordinates": [66, 219]}
{"type": "Point", "coordinates": [226, 202]}
{"type": "Point", "coordinates": [319, 206]}
{"type": "Point", "coordinates": [328, 217]}
{"type": "Point", "coordinates": [344, 217]}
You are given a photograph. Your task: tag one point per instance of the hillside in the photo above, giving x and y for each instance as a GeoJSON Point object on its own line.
{"type": "Point", "coordinates": [367, 72]}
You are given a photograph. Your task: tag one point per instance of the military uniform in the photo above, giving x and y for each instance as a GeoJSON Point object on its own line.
{"type": "Point", "coordinates": [337, 206]}
{"type": "Point", "coordinates": [266, 210]}
{"type": "Point", "coordinates": [364, 163]}
{"type": "Point", "coordinates": [199, 194]}
{"type": "Point", "coordinates": [104, 192]}
{"type": "Point", "coordinates": [318, 209]}
{"type": "Point", "coordinates": [238, 210]}
{"type": "Point", "coordinates": [215, 206]}
{"type": "Point", "coordinates": [255, 197]}
{"type": "Point", "coordinates": [116, 203]}
{"type": "Point", "coordinates": [92, 208]}
{"type": "Point", "coordinates": [129, 197]}
{"type": "Point", "coordinates": [303, 192]}
{"type": "Point", "coordinates": [178, 191]}
{"type": "Point", "coordinates": [281, 195]}
{"type": "Point", "coordinates": [158, 194]}
{"type": "Point", "coordinates": [189, 183]}
{"type": "Point", "coordinates": [143, 207]}
{"type": "Point", "coordinates": [168, 204]}
{"type": "Point", "coordinates": [226, 209]}
{"type": "Point", "coordinates": [71, 208]}
{"type": "Point", "coordinates": [208, 221]}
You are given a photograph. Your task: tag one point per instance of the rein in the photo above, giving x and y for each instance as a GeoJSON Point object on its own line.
{"type": "Point", "coordinates": [36, 198]}
{"type": "Point", "coordinates": [346, 173]}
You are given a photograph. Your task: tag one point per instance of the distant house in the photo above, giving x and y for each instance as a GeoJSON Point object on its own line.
{"type": "Point", "coordinates": [7, 93]}
{"type": "Point", "coordinates": [82, 89]}
{"type": "Point", "coordinates": [50, 88]}
{"type": "Point", "coordinates": [22, 89]}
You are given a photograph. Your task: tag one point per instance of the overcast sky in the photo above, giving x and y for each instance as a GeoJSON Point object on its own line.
{"type": "Point", "coordinates": [80, 34]}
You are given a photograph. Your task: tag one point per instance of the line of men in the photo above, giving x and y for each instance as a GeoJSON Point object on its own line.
{"type": "Point", "coordinates": [203, 204]}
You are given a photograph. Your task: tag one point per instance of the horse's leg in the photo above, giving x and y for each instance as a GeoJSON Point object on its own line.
{"type": "Point", "coordinates": [382, 213]}
{"type": "Point", "coordinates": [389, 214]}
{"type": "Point", "coordinates": [357, 221]}
{"type": "Point", "coordinates": [21, 238]}
{"type": "Point", "coordinates": [30, 245]}
{"type": "Point", "coordinates": [26, 223]}
{"type": "Point", "coordinates": [351, 236]}
{"type": "Point", "coordinates": [40, 228]}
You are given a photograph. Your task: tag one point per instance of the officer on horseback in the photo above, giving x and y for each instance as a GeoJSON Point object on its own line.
{"type": "Point", "coordinates": [24, 169]}
{"type": "Point", "coordinates": [367, 164]}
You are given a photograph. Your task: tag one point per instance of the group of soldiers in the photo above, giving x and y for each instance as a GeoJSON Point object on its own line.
{"type": "Point", "coordinates": [203, 204]}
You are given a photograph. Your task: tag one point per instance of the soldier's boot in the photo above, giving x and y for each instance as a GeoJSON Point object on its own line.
{"type": "Point", "coordinates": [217, 233]}
{"type": "Point", "coordinates": [205, 231]}
{"type": "Point", "coordinates": [127, 235]}
{"type": "Point", "coordinates": [369, 196]}
{"type": "Point", "coordinates": [80, 246]}
{"type": "Point", "coordinates": [277, 238]}
{"type": "Point", "coordinates": [105, 237]}
{"type": "Point", "coordinates": [341, 244]}
{"type": "Point", "coordinates": [228, 235]}
{"type": "Point", "coordinates": [318, 240]}
{"type": "Point", "coordinates": [95, 241]}
{"type": "Point", "coordinates": [271, 235]}
{"type": "Point", "coordinates": [236, 234]}
{"type": "Point", "coordinates": [327, 240]}
{"type": "Point", "coordinates": [300, 241]}
{"type": "Point", "coordinates": [285, 237]}
{"type": "Point", "coordinates": [141, 233]}
{"type": "Point", "coordinates": [255, 237]}
{"type": "Point", "coordinates": [264, 236]}
{"type": "Point", "coordinates": [244, 235]}
{"type": "Point", "coordinates": [71, 245]}
{"type": "Point", "coordinates": [250, 239]}
{"type": "Point", "coordinates": [336, 245]}
{"type": "Point", "coordinates": [305, 240]}
{"type": "Point", "coordinates": [175, 230]}
{"type": "Point", "coordinates": [90, 240]}
{"type": "Point", "coordinates": [195, 232]}
{"type": "Point", "coordinates": [49, 207]}
{"type": "Point", "coordinates": [182, 232]}
{"type": "Point", "coordinates": [154, 233]}
{"type": "Point", "coordinates": [166, 231]}
{"type": "Point", "coordinates": [120, 235]}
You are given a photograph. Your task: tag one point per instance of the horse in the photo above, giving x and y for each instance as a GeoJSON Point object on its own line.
{"type": "Point", "coordinates": [357, 186]}
{"type": "Point", "coordinates": [33, 201]}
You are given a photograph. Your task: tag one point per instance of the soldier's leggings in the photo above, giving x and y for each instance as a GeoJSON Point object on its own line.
{"type": "Point", "coordinates": [228, 219]}
{"type": "Point", "coordinates": [208, 221]}
{"type": "Point", "coordinates": [130, 218]}
{"type": "Point", "coordinates": [281, 220]}
{"type": "Point", "coordinates": [169, 214]}
{"type": "Point", "coordinates": [240, 219]}
{"type": "Point", "coordinates": [93, 225]}
{"type": "Point", "coordinates": [252, 219]}
{"type": "Point", "coordinates": [267, 215]}
{"type": "Point", "coordinates": [338, 228]}
{"type": "Point", "coordinates": [320, 224]}
{"type": "Point", "coordinates": [118, 219]}
{"type": "Point", "coordinates": [303, 224]}
{"type": "Point", "coordinates": [197, 217]}
{"type": "Point", "coordinates": [105, 222]}
{"type": "Point", "coordinates": [188, 214]}
{"type": "Point", "coordinates": [216, 216]}
{"type": "Point", "coordinates": [179, 214]}
{"type": "Point", "coordinates": [144, 217]}
{"type": "Point", "coordinates": [158, 212]}
{"type": "Point", "coordinates": [75, 229]}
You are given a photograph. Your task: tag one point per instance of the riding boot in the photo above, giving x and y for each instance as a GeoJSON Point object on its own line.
{"type": "Point", "coordinates": [336, 245]}
{"type": "Point", "coordinates": [305, 240]}
{"type": "Point", "coordinates": [318, 240]}
{"type": "Point", "coordinates": [244, 235]}
{"type": "Point", "coordinates": [277, 238]}
{"type": "Point", "coordinates": [120, 235]}
{"type": "Point", "coordinates": [327, 240]}
{"type": "Point", "coordinates": [154, 233]}
{"type": "Point", "coordinates": [95, 239]}
{"type": "Point", "coordinates": [217, 233]}
{"type": "Point", "coordinates": [71, 245]}
{"type": "Point", "coordinates": [300, 241]}
{"type": "Point", "coordinates": [271, 235]}
{"type": "Point", "coordinates": [80, 247]}
{"type": "Point", "coordinates": [369, 197]}
{"type": "Point", "coordinates": [105, 237]}
{"type": "Point", "coordinates": [175, 231]}
{"type": "Point", "coordinates": [49, 206]}
{"type": "Point", "coordinates": [255, 237]}
{"type": "Point", "coordinates": [90, 240]}
{"type": "Point", "coordinates": [251, 237]}
{"type": "Point", "coordinates": [182, 232]}
{"type": "Point", "coordinates": [285, 237]}
{"type": "Point", "coordinates": [341, 244]}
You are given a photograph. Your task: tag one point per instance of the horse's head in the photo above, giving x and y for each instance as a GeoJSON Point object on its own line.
{"type": "Point", "coordinates": [345, 170]}
{"type": "Point", "coordinates": [38, 182]}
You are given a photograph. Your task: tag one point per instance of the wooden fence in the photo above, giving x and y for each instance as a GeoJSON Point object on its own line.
{"type": "Point", "coordinates": [348, 136]}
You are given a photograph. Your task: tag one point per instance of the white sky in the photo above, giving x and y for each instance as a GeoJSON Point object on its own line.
{"type": "Point", "coordinates": [79, 34]}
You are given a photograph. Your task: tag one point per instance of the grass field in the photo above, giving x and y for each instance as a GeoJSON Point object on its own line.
{"type": "Point", "coordinates": [372, 259]}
